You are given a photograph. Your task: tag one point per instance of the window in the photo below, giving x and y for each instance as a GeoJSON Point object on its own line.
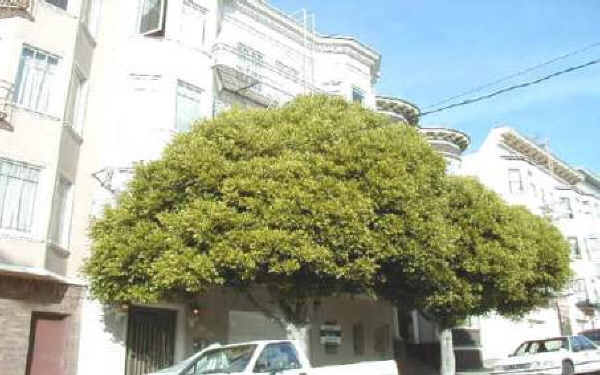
{"type": "Point", "coordinates": [277, 358]}
{"type": "Point", "coordinates": [515, 183]}
{"type": "Point", "coordinates": [358, 96]}
{"type": "Point", "coordinates": [62, 4]}
{"type": "Point", "coordinates": [193, 24]}
{"type": "Point", "coordinates": [75, 110]}
{"type": "Point", "coordinates": [575, 251]}
{"type": "Point", "coordinates": [251, 61]}
{"type": "Point", "coordinates": [35, 79]}
{"type": "Point", "coordinates": [565, 207]}
{"type": "Point", "coordinates": [597, 209]}
{"type": "Point", "coordinates": [61, 214]}
{"type": "Point", "coordinates": [188, 108]}
{"type": "Point", "coordinates": [593, 245]}
{"type": "Point", "coordinates": [152, 20]}
{"type": "Point", "coordinates": [90, 15]}
{"type": "Point", "coordinates": [543, 195]}
{"type": "Point", "coordinates": [533, 189]}
{"type": "Point", "coordinates": [18, 186]}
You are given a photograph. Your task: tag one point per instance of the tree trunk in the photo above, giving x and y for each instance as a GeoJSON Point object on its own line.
{"type": "Point", "coordinates": [300, 333]}
{"type": "Point", "coordinates": [448, 362]}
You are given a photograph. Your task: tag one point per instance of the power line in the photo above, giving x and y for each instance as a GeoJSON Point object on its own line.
{"type": "Point", "coordinates": [514, 87]}
{"type": "Point", "coordinates": [517, 74]}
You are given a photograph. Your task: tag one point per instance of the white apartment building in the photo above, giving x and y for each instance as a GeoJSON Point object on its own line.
{"type": "Point", "coordinates": [526, 173]}
{"type": "Point", "coordinates": [159, 66]}
{"type": "Point", "coordinates": [46, 53]}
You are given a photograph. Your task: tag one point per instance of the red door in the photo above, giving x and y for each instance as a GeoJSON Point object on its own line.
{"type": "Point", "coordinates": [47, 344]}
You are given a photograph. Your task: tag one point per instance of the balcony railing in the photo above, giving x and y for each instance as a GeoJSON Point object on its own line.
{"type": "Point", "coordinates": [253, 76]}
{"type": "Point", "coordinates": [16, 8]}
{"type": "Point", "coordinates": [6, 96]}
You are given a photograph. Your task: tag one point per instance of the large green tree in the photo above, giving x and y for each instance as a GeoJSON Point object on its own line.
{"type": "Point", "coordinates": [317, 198]}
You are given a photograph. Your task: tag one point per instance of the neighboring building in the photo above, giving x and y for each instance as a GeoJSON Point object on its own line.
{"type": "Point", "coordinates": [46, 50]}
{"type": "Point", "coordinates": [526, 173]}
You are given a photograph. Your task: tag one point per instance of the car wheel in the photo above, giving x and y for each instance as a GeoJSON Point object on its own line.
{"type": "Point", "coordinates": [567, 368]}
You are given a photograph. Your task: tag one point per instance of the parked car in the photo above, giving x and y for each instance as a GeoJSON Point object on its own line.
{"type": "Point", "coordinates": [593, 335]}
{"type": "Point", "coordinates": [280, 357]}
{"type": "Point", "coordinates": [564, 355]}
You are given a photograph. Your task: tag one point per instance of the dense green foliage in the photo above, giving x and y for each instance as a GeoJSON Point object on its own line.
{"type": "Point", "coordinates": [316, 198]}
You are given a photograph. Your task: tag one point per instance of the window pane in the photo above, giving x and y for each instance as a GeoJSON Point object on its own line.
{"type": "Point", "coordinates": [277, 357]}
{"type": "Point", "coordinates": [357, 95]}
{"type": "Point", "coordinates": [63, 4]}
{"type": "Point", "coordinates": [35, 80]}
{"type": "Point", "coordinates": [515, 183]}
{"type": "Point", "coordinates": [574, 247]}
{"type": "Point", "coordinates": [18, 185]}
{"type": "Point", "coordinates": [188, 106]}
{"type": "Point", "coordinates": [75, 103]}
{"type": "Point", "coordinates": [59, 227]}
{"type": "Point", "coordinates": [152, 16]}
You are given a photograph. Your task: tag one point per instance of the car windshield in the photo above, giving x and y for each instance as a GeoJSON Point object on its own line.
{"type": "Point", "coordinates": [223, 360]}
{"type": "Point", "coordinates": [542, 346]}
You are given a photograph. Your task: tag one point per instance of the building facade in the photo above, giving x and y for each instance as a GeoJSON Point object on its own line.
{"type": "Point", "coordinates": [43, 89]}
{"type": "Point", "coordinates": [159, 66]}
{"type": "Point", "coordinates": [525, 172]}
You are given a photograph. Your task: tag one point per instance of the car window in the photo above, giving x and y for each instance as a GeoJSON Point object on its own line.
{"type": "Point", "coordinates": [277, 357]}
{"type": "Point", "coordinates": [576, 344]}
{"type": "Point", "coordinates": [229, 360]}
{"type": "Point", "coordinates": [585, 343]}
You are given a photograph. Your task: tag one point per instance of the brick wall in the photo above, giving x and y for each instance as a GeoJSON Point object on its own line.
{"type": "Point", "coordinates": [18, 299]}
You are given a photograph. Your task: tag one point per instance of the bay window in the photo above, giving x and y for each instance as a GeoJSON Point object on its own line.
{"type": "Point", "coordinates": [18, 189]}
{"type": "Point", "coordinates": [35, 79]}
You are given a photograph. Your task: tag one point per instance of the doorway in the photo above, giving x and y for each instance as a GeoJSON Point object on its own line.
{"type": "Point", "coordinates": [150, 340]}
{"type": "Point", "coordinates": [47, 344]}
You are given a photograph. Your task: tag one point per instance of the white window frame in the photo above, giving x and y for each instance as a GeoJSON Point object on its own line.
{"type": "Point", "coordinates": [30, 225]}
{"type": "Point", "coordinates": [574, 247]}
{"type": "Point", "coordinates": [160, 28]}
{"type": "Point", "coordinates": [90, 15]}
{"type": "Point", "coordinates": [19, 101]}
{"type": "Point", "coordinates": [520, 189]}
{"type": "Point", "coordinates": [360, 92]}
{"type": "Point", "coordinates": [59, 232]}
{"type": "Point", "coordinates": [191, 87]}
{"type": "Point", "coordinates": [594, 254]}
{"type": "Point", "coordinates": [74, 115]}
{"type": "Point", "coordinates": [567, 208]}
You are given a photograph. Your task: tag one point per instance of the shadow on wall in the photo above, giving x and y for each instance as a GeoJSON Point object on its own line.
{"type": "Point", "coordinates": [114, 320]}
{"type": "Point", "coordinates": [40, 291]}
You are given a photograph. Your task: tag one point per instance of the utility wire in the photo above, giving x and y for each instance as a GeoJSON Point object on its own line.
{"type": "Point", "coordinates": [517, 74]}
{"type": "Point", "coordinates": [510, 88]}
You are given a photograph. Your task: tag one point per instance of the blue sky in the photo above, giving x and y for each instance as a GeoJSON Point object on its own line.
{"type": "Point", "coordinates": [436, 49]}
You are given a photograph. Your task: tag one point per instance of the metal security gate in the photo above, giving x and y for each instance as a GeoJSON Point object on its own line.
{"type": "Point", "coordinates": [150, 340]}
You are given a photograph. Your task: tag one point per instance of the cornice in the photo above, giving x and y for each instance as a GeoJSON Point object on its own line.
{"type": "Point", "coordinates": [538, 155]}
{"type": "Point", "coordinates": [277, 19]}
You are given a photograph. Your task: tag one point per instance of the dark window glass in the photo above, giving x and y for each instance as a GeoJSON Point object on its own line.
{"type": "Point", "coordinates": [62, 4]}
{"type": "Point", "coordinates": [277, 357]}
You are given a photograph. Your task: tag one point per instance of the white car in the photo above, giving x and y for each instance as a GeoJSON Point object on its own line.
{"type": "Point", "coordinates": [564, 355]}
{"type": "Point", "coordinates": [270, 357]}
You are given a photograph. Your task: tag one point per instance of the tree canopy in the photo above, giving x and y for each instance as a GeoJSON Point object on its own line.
{"type": "Point", "coordinates": [316, 198]}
